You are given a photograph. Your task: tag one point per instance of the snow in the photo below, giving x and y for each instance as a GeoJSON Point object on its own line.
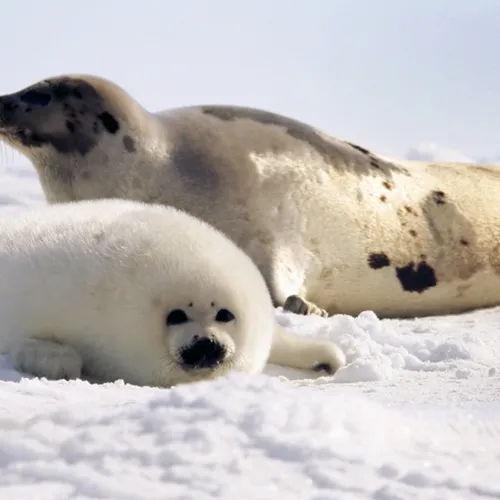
{"type": "Point", "coordinates": [414, 414]}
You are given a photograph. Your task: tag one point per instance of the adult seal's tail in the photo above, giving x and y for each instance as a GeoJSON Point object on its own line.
{"type": "Point", "coordinates": [332, 226]}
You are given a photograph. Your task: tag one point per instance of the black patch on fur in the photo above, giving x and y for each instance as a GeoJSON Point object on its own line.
{"type": "Point", "coordinates": [416, 278]}
{"type": "Point", "coordinates": [9, 106]}
{"type": "Point", "coordinates": [62, 143]}
{"type": "Point", "coordinates": [383, 198]}
{"type": "Point", "coordinates": [378, 260]}
{"type": "Point", "coordinates": [109, 121]}
{"type": "Point", "coordinates": [323, 367]}
{"type": "Point", "coordinates": [62, 91]}
{"type": "Point", "coordinates": [330, 151]}
{"type": "Point", "coordinates": [411, 210]}
{"type": "Point", "coordinates": [439, 197]}
{"type": "Point", "coordinates": [129, 144]}
{"type": "Point", "coordinates": [196, 168]}
{"type": "Point", "coordinates": [388, 185]}
{"type": "Point", "coordinates": [70, 126]}
{"type": "Point", "coordinates": [35, 98]}
{"type": "Point", "coordinates": [413, 233]}
{"type": "Point", "coordinates": [359, 148]}
{"type": "Point", "coordinates": [464, 242]}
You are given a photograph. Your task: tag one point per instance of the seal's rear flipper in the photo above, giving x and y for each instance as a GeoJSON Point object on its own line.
{"type": "Point", "coordinates": [292, 350]}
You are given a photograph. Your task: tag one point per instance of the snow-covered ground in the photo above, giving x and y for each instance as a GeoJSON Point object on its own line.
{"type": "Point", "coordinates": [414, 414]}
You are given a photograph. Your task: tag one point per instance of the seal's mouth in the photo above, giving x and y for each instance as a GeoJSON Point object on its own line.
{"type": "Point", "coordinates": [21, 136]}
{"type": "Point", "coordinates": [15, 136]}
{"type": "Point", "coordinates": [203, 355]}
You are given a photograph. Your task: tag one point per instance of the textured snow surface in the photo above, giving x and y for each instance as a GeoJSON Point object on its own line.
{"type": "Point", "coordinates": [414, 414]}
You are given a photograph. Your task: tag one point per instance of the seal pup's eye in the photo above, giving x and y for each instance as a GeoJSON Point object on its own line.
{"type": "Point", "coordinates": [35, 98]}
{"type": "Point", "coordinates": [177, 317]}
{"type": "Point", "coordinates": [224, 316]}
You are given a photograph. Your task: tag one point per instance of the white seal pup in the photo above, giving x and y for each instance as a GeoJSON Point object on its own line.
{"type": "Point", "coordinates": [116, 289]}
{"type": "Point", "coordinates": [333, 227]}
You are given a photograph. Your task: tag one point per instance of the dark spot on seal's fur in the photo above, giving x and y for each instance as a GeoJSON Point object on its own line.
{"type": "Point", "coordinates": [359, 148]}
{"type": "Point", "coordinates": [64, 143]}
{"type": "Point", "coordinates": [411, 210]}
{"type": "Point", "coordinates": [388, 185]}
{"type": "Point", "coordinates": [334, 152]}
{"type": "Point", "coordinates": [70, 126]}
{"type": "Point", "coordinates": [383, 198]}
{"type": "Point", "coordinates": [378, 260]}
{"type": "Point", "coordinates": [62, 90]}
{"type": "Point", "coordinates": [447, 226]}
{"type": "Point", "coordinates": [413, 232]}
{"type": "Point", "coordinates": [10, 106]}
{"type": "Point", "coordinates": [35, 98]}
{"type": "Point", "coordinates": [129, 144]}
{"type": "Point", "coordinates": [464, 242]}
{"type": "Point", "coordinates": [109, 121]}
{"type": "Point", "coordinates": [439, 197]}
{"type": "Point", "coordinates": [194, 165]}
{"type": "Point", "coordinates": [416, 278]}
{"type": "Point", "coordinates": [323, 367]}
{"type": "Point", "coordinates": [373, 161]}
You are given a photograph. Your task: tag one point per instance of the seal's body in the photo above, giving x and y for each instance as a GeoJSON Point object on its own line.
{"type": "Point", "coordinates": [333, 227]}
{"type": "Point", "coordinates": [115, 289]}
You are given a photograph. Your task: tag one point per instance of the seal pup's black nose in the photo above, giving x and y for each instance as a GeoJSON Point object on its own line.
{"type": "Point", "coordinates": [203, 353]}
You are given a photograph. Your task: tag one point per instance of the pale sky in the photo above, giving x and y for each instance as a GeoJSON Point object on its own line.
{"type": "Point", "coordinates": [388, 74]}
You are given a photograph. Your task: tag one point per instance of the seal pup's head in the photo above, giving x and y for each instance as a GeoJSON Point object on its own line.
{"type": "Point", "coordinates": [218, 317]}
{"type": "Point", "coordinates": [206, 340]}
{"type": "Point", "coordinates": [182, 301]}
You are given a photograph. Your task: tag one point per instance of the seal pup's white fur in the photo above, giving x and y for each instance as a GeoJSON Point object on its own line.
{"type": "Point", "coordinates": [115, 289]}
{"type": "Point", "coordinates": [333, 227]}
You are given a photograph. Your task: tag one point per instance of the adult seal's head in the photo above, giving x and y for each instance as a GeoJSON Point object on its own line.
{"type": "Point", "coordinates": [65, 125]}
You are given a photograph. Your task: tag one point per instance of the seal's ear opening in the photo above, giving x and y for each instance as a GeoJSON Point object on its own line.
{"type": "Point", "coordinates": [35, 98]}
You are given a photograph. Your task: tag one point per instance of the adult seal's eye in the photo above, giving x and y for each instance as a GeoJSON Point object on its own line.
{"type": "Point", "coordinates": [35, 98]}
{"type": "Point", "coordinates": [224, 316]}
{"type": "Point", "coordinates": [176, 317]}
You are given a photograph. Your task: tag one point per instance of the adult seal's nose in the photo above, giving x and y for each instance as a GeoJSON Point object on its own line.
{"type": "Point", "coordinates": [8, 107]}
{"type": "Point", "coordinates": [203, 353]}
